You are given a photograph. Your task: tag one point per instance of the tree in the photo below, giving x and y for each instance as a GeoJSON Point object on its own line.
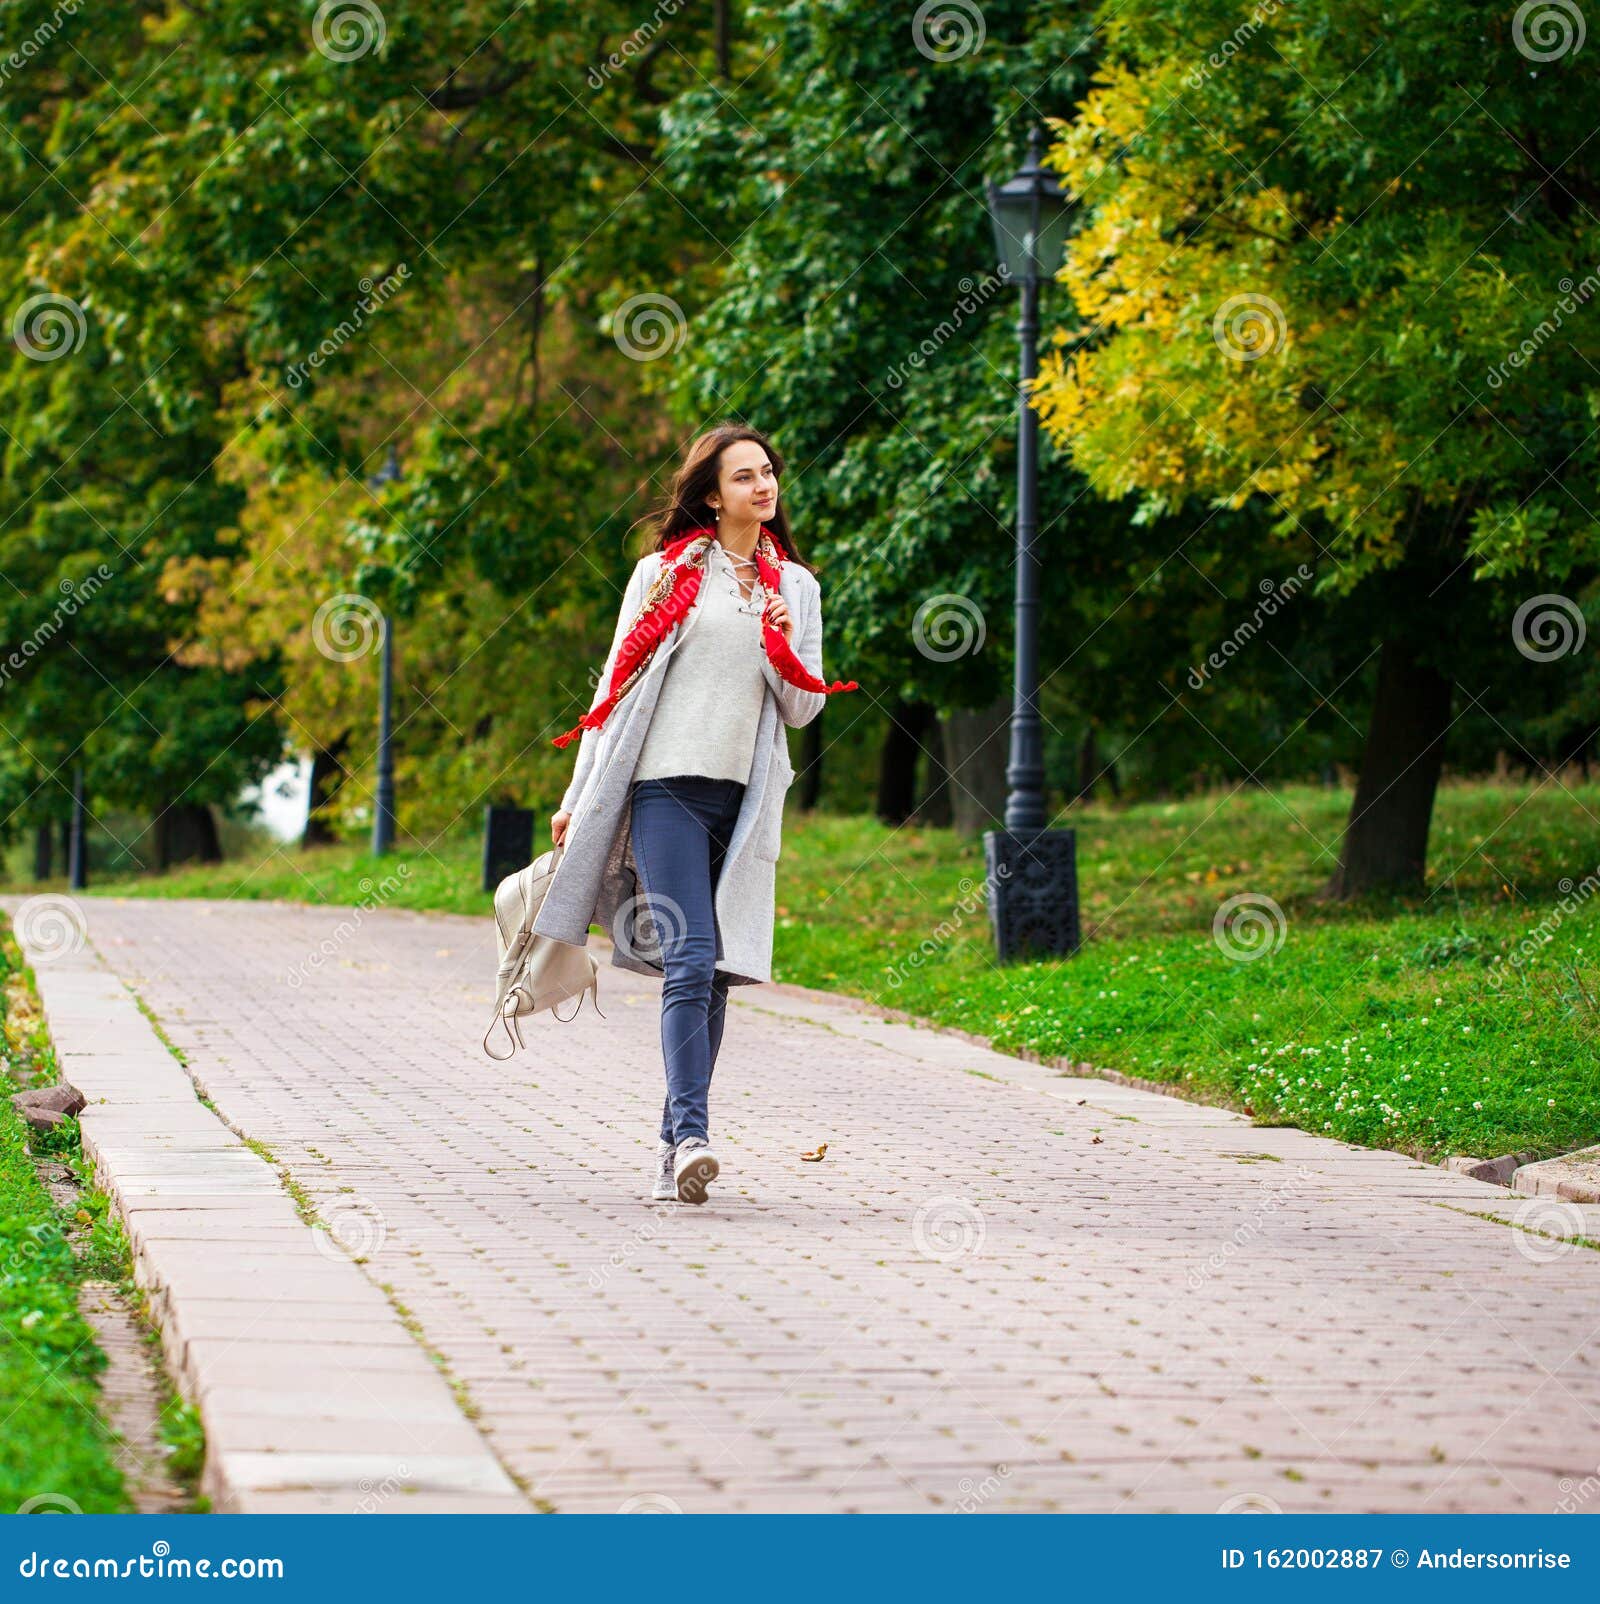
{"type": "Point", "coordinates": [1322, 267]}
{"type": "Point", "coordinates": [257, 215]}
{"type": "Point", "coordinates": [856, 318]}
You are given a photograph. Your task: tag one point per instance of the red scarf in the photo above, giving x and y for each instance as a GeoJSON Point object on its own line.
{"type": "Point", "coordinates": [670, 598]}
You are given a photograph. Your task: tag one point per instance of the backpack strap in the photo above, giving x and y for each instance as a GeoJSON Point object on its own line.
{"type": "Point", "coordinates": [592, 991]}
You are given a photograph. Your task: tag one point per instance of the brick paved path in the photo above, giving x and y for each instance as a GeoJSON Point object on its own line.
{"type": "Point", "coordinates": [970, 1303]}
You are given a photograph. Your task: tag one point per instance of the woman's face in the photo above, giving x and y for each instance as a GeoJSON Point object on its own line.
{"type": "Point", "coordinates": [747, 485]}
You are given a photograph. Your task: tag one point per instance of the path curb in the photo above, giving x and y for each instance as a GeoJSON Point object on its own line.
{"type": "Point", "coordinates": [313, 1394]}
{"type": "Point", "coordinates": [1573, 1176]}
{"type": "Point", "coordinates": [1496, 1171]}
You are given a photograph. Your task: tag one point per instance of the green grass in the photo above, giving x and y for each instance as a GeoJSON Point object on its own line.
{"type": "Point", "coordinates": [445, 879]}
{"type": "Point", "coordinates": [53, 1442]}
{"type": "Point", "coordinates": [1400, 1023]}
{"type": "Point", "coordinates": [1463, 1021]}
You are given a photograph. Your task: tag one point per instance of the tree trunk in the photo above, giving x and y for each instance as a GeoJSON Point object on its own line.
{"type": "Point", "coordinates": [897, 760]}
{"type": "Point", "coordinates": [1088, 765]}
{"type": "Point", "coordinates": [327, 775]}
{"type": "Point", "coordinates": [186, 832]}
{"type": "Point", "coordinates": [934, 806]}
{"type": "Point", "coordinates": [42, 853]}
{"type": "Point", "coordinates": [977, 747]}
{"type": "Point", "coordinates": [1386, 838]}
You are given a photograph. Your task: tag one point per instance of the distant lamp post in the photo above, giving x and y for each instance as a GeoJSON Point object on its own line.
{"type": "Point", "coordinates": [78, 836]}
{"type": "Point", "coordinates": [383, 818]}
{"type": "Point", "coordinates": [1032, 872]}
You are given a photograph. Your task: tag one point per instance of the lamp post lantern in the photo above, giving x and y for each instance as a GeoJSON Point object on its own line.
{"type": "Point", "coordinates": [1032, 872]}
{"type": "Point", "coordinates": [383, 821]}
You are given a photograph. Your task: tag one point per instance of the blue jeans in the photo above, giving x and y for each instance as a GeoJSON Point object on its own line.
{"type": "Point", "coordinates": [681, 827]}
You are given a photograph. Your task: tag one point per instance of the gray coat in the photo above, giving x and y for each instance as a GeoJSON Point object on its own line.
{"type": "Point", "coordinates": [596, 881]}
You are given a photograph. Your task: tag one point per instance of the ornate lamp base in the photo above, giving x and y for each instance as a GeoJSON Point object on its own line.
{"type": "Point", "coordinates": [1032, 890]}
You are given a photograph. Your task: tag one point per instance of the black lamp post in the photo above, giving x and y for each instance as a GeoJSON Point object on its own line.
{"type": "Point", "coordinates": [77, 836]}
{"type": "Point", "coordinates": [1032, 871]}
{"type": "Point", "coordinates": [383, 817]}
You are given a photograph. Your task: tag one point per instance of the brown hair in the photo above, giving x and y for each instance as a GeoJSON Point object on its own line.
{"type": "Point", "coordinates": [688, 508]}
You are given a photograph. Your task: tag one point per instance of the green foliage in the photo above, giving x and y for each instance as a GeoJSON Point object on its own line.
{"type": "Point", "coordinates": [1324, 269]}
{"type": "Point", "coordinates": [217, 205]}
{"type": "Point", "coordinates": [861, 326]}
{"type": "Point", "coordinates": [1375, 185]}
{"type": "Point", "coordinates": [252, 193]}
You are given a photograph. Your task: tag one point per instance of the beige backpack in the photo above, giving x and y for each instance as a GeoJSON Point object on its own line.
{"type": "Point", "coordinates": [536, 972]}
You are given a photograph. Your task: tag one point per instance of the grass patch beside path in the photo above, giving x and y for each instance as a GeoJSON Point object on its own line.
{"type": "Point", "coordinates": [1421, 1024]}
{"type": "Point", "coordinates": [1465, 1021]}
{"type": "Point", "coordinates": [54, 1443]}
{"type": "Point", "coordinates": [445, 879]}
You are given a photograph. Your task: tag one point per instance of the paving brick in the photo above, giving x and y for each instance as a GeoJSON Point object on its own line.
{"type": "Point", "coordinates": [1149, 1322]}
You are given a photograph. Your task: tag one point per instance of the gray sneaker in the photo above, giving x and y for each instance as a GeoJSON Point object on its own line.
{"type": "Point", "coordinates": [666, 1182]}
{"type": "Point", "coordinates": [694, 1168]}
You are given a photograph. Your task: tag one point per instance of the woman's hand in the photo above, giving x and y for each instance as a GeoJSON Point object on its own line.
{"type": "Point", "coordinates": [778, 613]}
{"type": "Point", "coordinates": [558, 827]}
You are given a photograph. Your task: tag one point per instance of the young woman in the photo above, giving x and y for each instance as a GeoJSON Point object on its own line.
{"type": "Point", "coordinates": [672, 824]}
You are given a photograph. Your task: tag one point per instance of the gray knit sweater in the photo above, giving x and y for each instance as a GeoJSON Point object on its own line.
{"type": "Point", "coordinates": [705, 721]}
